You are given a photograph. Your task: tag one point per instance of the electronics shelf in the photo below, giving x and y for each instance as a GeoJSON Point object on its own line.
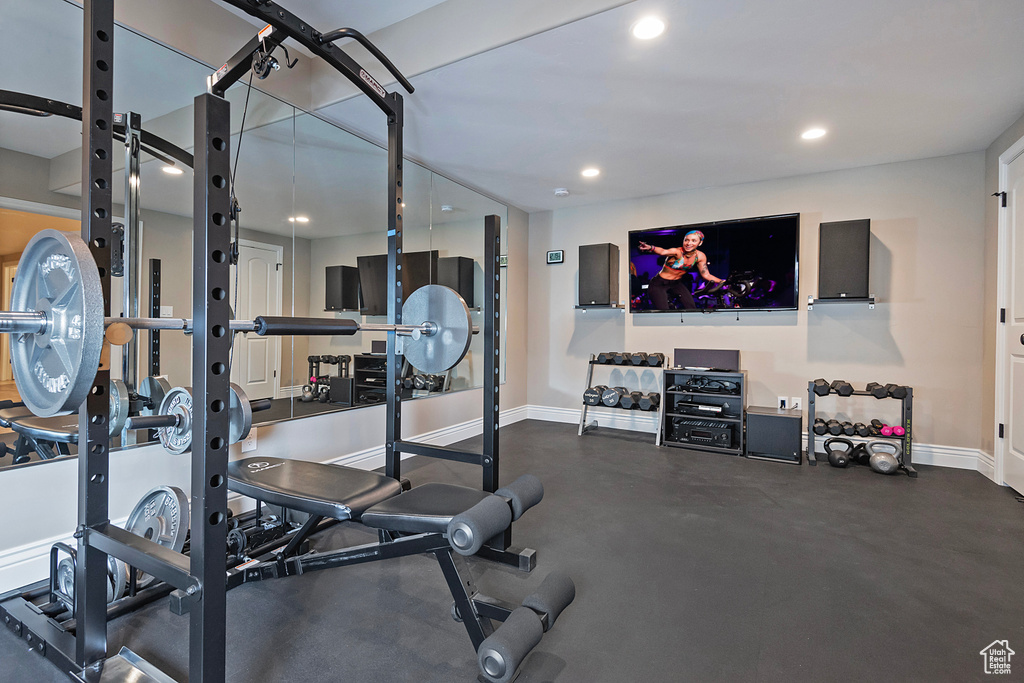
{"type": "Point", "coordinates": [704, 409]}
{"type": "Point", "coordinates": [870, 301]}
{"type": "Point", "coordinates": [906, 419]}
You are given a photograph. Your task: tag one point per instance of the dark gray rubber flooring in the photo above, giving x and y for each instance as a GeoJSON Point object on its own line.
{"type": "Point", "coordinates": [689, 567]}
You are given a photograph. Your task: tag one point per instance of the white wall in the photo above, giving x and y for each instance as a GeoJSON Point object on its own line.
{"type": "Point", "coordinates": [927, 249]}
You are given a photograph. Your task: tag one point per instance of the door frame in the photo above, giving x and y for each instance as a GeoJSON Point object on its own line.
{"type": "Point", "coordinates": [279, 251]}
{"type": "Point", "coordinates": [1004, 263]}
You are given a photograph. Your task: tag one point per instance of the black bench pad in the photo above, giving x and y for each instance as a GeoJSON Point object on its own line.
{"type": "Point", "coordinates": [9, 414]}
{"type": "Point", "coordinates": [58, 429]}
{"type": "Point", "coordinates": [426, 508]}
{"type": "Point", "coordinates": [315, 488]}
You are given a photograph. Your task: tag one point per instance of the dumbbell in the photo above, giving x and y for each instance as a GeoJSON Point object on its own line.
{"type": "Point", "coordinates": [638, 358]}
{"type": "Point", "coordinates": [820, 426]}
{"type": "Point", "coordinates": [620, 358]}
{"type": "Point", "coordinates": [877, 390]}
{"type": "Point", "coordinates": [655, 360]}
{"type": "Point", "coordinates": [835, 428]}
{"type": "Point", "coordinates": [605, 357]}
{"type": "Point", "coordinates": [821, 387]}
{"type": "Point", "coordinates": [610, 397]}
{"type": "Point", "coordinates": [841, 387]}
{"type": "Point", "coordinates": [848, 429]}
{"type": "Point", "coordinates": [630, 400]}
{"type": "Point", "coordinates": [861, 429]}
{"type": "Point", "coordinates": [650, 401]}
{"type": "Point", "coordinates": [896, 390]}
{"type": "Point", "coordinates": [592, 396]}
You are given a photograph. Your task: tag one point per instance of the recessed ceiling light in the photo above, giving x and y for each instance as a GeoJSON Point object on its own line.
{"type": "Point", "coordinates": [561, 192]}
{"type": "Point", "coordinates": [648, 27]}
{"type": "Point", "coordinates": [171, 170]}
{"type": "Point", "coordinates": [447, 208]}
{"type": "Point", "coordinates": [813, 133]}
{"type": "Point", "coordinates": [298, 219]}
{"type": "Point", "coordinates": [590, 172]}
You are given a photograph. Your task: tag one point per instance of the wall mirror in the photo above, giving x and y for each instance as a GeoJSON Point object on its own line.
{"type": "Point", "coordinates": [311, 232]}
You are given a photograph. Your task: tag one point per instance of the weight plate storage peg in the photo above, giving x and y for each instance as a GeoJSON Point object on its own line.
{"type": "Point", "coordinates": [54, 367]}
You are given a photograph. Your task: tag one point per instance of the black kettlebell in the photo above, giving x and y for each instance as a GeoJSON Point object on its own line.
{"type": "Point", "coordinates": [860, 454]}
{"type": "Point", "coordinates": [839, 451]}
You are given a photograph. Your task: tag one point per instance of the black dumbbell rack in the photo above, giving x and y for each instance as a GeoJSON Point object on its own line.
{"type": "Point", "coordinates": [906, 441]}
{"type": "Point", "coordinates": [585, 426]}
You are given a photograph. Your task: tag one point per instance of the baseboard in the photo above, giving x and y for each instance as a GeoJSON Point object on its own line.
{"type": "Point", "coordinates": [924, 454]}
{"type": "Point", "coordinates": [28, 563]}
{"type": "Point", "coordinates": [294, 391]}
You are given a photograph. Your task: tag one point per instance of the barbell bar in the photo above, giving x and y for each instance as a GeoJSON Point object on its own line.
{"type": "Point", "coordinates": [58, 329]}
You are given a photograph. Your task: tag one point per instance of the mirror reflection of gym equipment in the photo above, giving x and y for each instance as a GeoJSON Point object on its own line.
{"type": "Point", "coordinates": [260, 294]}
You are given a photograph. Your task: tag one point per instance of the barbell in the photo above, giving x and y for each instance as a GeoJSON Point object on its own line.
{"type": "Point", "coordinates": [58, 328]}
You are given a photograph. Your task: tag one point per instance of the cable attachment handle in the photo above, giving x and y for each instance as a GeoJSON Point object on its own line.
{"type": "Point", "coordinates": [340, 33]}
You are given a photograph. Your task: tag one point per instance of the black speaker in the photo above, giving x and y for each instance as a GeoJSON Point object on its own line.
{"type": "Point", "coordinates": [843, 254]}
{"type": "Point", "coordinates": [417, 269]}
{"type": "Point", "coordinates": [599, 274]}
{"type": "Point", "coordinates": [342, 390]}
{"type": "Point", "coordinates": [726, 360]}
{"type": "Point", "coordinates": [342, 291]}
{"type": "Point", "coordinates": [457, 272]}
{"type": "Point", "coordinates": [774, 434]}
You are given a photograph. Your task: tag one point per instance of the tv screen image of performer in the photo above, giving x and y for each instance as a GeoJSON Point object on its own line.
{"type": "Point", "coordinates": [674, 278]}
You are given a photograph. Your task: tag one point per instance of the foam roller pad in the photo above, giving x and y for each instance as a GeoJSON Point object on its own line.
{"type": "Point", "coordinates": [554, 594]}
{"type": "Point", "coordinates": [525, 492]}
{"type": "Point", "coordinates": [502, 653]}
{"type": "Point", "coordinates": [469, 530]}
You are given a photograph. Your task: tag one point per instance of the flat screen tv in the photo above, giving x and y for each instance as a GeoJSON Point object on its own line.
{"type": "Point", "coordinates": [747, 264]}
{"type": "Point", "coordinates": [418, 267]}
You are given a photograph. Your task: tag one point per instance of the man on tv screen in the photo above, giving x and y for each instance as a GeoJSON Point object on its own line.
{"type": "Point", "coordinates": [674, 276]}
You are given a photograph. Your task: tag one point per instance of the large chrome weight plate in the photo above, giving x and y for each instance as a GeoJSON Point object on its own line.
{"type": "Point", "coordinates": [162, 517]}
{"type": "Point", "coordinates": [437, 304]}
{"type": "Point", "coordinates": [154, 389]}
{"type": "Point", "coordinates": [54, 370]}
{"type": "Point", "coordinates": [239, 415]}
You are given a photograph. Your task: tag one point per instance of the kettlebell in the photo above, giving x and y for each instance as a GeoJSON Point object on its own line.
{"type": "Point", "coordinates": [839, 451]}
{"type": "Point", "coordinates": [885, 456]}
{"type": "Point", "coordinates": [307, 393]}
{"type": "Point", "coordinates": [860, 454]}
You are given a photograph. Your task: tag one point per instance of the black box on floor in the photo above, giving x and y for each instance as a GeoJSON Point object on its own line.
{"type": "Point", "coordinates": [342, 390]}
{"type": "Point", "coordinates": [774, 434]}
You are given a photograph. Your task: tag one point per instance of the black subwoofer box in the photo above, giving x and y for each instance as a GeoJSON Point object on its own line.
{"type": "Point", "coordinates": [342, 390]}
{"type": "Point", "coordinates": [599, 275]}
{"type": "Point", "coordinates": [774, 434]}
{"type": "Point", "coordinates": [843, 255]}
{"type": "Point", "coordinates": [342, 292]}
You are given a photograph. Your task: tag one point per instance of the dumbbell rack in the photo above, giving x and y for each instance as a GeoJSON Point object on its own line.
{"type": "Point", "coordinates": [907, 405]}
{"type": "Point", "coordinates": [585, 427]}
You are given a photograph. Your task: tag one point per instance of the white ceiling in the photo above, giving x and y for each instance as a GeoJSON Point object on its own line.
{"type": "Point", "coordinates": [719, 99]}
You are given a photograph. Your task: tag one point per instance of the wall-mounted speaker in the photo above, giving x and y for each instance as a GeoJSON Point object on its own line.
{"type": "Point", "coordinates": [599, 275]}
{"type": "Point", "coordinates": [456, 272]}
{"type": "Point", "coordinates": [843, 256]}
{"type": "Point", "coordinates": [342, 291]}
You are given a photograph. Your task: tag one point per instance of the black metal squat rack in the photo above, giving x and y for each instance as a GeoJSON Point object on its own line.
{"type": "Point", "coordinates": [200, 576]}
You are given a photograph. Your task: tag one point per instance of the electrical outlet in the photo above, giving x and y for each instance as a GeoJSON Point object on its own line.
{"type": "Point", "coordinates": [783, 402]}
{"type": "Point", "coordinates": [795, 403]}
{"type": "Point", "coordinates": [249, 444]}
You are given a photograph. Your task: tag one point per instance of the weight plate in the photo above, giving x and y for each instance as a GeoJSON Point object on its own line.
{"type": "Point", "coordinates": [154, 389]}
{"type": "Point", "coordinates": [239, 415]}
{"type": "Point", "coordinates": [177, 401]}
{"type": "Point", "coordinates": [447, 310]}
{"type": "Point", "coordinates": [161, 516]}
{"type": "Point", "coordinates": [66, 581]}
{"type": "Point", "coordinates": [54, 370]}
{"type": "Point", "coordinates": [118, 406]}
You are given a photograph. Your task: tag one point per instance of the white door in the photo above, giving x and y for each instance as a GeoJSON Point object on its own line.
{"type": "Point", "coordinates": [255, 359]}
{"type": "Point", "coordinates": [1013, 342]}
{"type": "Point", "coordinates": [5, 350]}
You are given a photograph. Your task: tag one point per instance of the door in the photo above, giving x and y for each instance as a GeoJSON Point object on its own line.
{"type": "Point", "coordinates": [1013, 341]}
{"type": "Point", "coordinates": [5, 350]}
{"type": "Point", "coordinates": [255, 359]}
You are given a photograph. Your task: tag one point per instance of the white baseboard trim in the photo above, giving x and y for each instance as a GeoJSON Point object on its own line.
{"type": "Point", "coordinates": [924, 454]}
{"type": "Point", "coordinates": [29, 563]}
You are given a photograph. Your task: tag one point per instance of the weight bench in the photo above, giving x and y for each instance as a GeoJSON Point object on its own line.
{"type": "Point", "coordinates": [49, 437]}
{"type": "Point", "coordinates": [446, 520]}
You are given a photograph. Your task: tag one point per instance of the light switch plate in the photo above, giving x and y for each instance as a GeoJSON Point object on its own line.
{"type": "Point", "coordinates": [249, 443]}
{"type": "Point", "coordinates": [167, 311]}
